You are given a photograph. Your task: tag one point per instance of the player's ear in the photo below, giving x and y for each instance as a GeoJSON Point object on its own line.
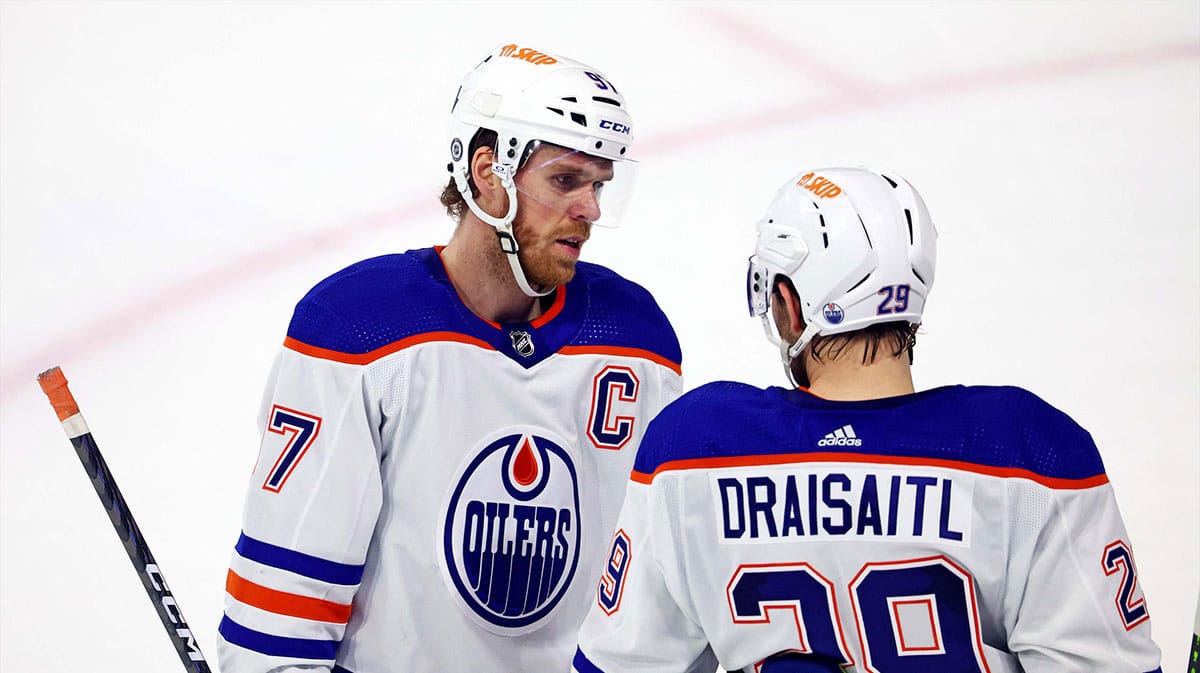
{"type": "Point", "coordinates": [492, 197]}
{"type": "Point", "coordinates": [791, 306]}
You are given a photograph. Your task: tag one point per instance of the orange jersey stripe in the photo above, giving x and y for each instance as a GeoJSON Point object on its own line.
{"type": "Point", "coordinates": [622, 351]}
{"type": "Point", "coordinates": [832, 457]}
{"type": "Point", "coordinates": [559, 302]}
{"type": "Point", "coordinates": [382, 351]}
{"type": "Point", "coordinates": [283, 603]}
{"type": "Point", "coordinates": [456, 337]}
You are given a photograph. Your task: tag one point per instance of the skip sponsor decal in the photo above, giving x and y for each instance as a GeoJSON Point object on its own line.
{"type": "Point", "coordinates": [526, 54]}
{"type": "Point", "coordinates": [822, 187]}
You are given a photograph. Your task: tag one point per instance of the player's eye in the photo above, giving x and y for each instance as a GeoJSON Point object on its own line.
{"type": "Point", "coordinates": [566, 181]}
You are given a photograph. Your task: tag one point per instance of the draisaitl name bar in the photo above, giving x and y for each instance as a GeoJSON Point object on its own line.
{"type": "Point", "coordinates": [880, 503]}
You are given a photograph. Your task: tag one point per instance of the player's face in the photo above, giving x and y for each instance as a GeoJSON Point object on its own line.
{"type": "Point", "coordinates": [557, 192]}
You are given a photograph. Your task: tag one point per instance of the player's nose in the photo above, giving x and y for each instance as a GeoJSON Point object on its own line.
{"type": "Point", "coordinates": [587, 206]}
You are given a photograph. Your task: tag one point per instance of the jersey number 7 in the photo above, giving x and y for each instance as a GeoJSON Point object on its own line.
{"type": "Point", "coordinates": [300, 430]}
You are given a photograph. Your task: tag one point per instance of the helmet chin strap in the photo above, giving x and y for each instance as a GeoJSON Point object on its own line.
{"type": "Point", "coordinates": [503, 226]}
{"type": "Point", "coordinates": [789, 352]}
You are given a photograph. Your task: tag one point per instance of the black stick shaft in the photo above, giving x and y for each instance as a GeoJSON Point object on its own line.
{"type": "Point", "coordinates": [1194, 658]}
{"type": "Point", "coordinates": [55, 385]}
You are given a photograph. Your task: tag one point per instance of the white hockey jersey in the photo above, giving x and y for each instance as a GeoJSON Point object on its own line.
{"type": "Point", "coordinates": [436, 492]}
{"type": "Point", "coordinates": [956, 530]}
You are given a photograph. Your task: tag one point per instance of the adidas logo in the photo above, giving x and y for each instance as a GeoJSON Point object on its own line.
{"type": "Point", "coordinates": [843, 436]}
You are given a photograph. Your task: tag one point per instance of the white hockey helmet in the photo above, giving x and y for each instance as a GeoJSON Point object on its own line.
{"type": "Point", "coordinates": [526, 97]}
{"type": "Point", "coordinates": [858, 245]}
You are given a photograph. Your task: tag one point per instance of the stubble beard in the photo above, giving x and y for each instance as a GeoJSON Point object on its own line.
{"type": "Point", "coordinates": [543, 265]}
{"type": "Point", "coordinates": [543, 271]}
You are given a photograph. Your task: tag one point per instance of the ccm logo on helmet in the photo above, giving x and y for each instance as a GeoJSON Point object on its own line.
{"type": "Point", "coordinates": [820, 186]}
{"type": "Point", "coordinates": [614, 126]}
{"type": "Point", "coordinates": [526, 54]}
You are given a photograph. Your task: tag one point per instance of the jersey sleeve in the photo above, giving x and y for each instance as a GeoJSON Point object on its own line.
{"type": "Point", "coordinates": [311, 506]}
{"type": "Point", "coordinates": [1080, 607]}
{"type": "Point", "coordinates": [636, 623]}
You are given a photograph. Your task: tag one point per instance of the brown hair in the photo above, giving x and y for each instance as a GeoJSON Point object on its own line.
{"type": "Point", "coordinates": [450, 197]}
{"type": "Point", "coordinates": [899, 336]}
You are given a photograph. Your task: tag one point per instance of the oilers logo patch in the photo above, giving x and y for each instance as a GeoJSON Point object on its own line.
{"type": "Point", "coordinates": [510, 531]}
{"type": "Point", "coordinates": [833, 313]}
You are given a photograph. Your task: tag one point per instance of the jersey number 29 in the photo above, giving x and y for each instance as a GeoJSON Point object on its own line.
{"type": "Point", "coordinates": [912, 616]}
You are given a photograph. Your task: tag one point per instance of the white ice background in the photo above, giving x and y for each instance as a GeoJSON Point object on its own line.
{"type": "Point", "coordinates": [174, 176]}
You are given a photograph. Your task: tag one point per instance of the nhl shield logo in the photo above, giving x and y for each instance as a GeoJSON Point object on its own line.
{"type": "Point", "coordinates": [522, 343]}
{"type": "Point", "coordinates": [510, 531]}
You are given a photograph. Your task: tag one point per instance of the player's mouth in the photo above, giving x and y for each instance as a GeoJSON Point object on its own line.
{"type": "Point", "coordinates": [572, 244]}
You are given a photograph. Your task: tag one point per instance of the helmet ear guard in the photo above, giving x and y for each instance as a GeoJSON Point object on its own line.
{"type": "Point", "coordinates": [857, 244]}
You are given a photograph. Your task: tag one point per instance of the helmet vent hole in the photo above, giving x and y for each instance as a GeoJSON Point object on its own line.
{"type": "Point", "coordinates": [908, 216]}
{"type": "Point", "coordinates": [579, 119]}
{"type": "Point", "coordinates": [918, 275]}
{"type": "Point", "coordinates": [557, 111]}
{"type": "Point", "coordinates": [825, 238]}
{"type": "Point", "coordinates": [890, 181]}
{"type": "Point", "coordinates": [570, 99]}
{"type": "Point", "coordinates": [864, 279]}
{"type": "Point", "coordinates": [602, 99]}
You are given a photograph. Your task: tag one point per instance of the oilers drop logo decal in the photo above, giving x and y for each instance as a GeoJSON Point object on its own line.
{"type": "Point", "coordinates": [833, 313]}
{"type": "Point", "coordinates": [510, 531]}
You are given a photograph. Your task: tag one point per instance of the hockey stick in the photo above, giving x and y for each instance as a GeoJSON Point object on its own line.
{"type": "Point", "coordinates": [54, 384]}
{"type": "Point", "coordinates": [1193, 665]}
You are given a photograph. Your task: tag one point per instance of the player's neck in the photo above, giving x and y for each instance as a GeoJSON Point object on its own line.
{"type": "Point", "coordinates": [847, 378]}
{"type": "Point", "coordinates": [481, 275]}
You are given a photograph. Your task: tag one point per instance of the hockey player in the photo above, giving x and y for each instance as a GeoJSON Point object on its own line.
{"type": "Point", "coordinates": [853, 524]}
{"type": "Point", "coordinates": [448, 431]}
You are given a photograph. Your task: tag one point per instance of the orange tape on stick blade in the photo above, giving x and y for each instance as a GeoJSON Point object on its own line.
{"type": "Point", "coordinates": [54, 384]}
